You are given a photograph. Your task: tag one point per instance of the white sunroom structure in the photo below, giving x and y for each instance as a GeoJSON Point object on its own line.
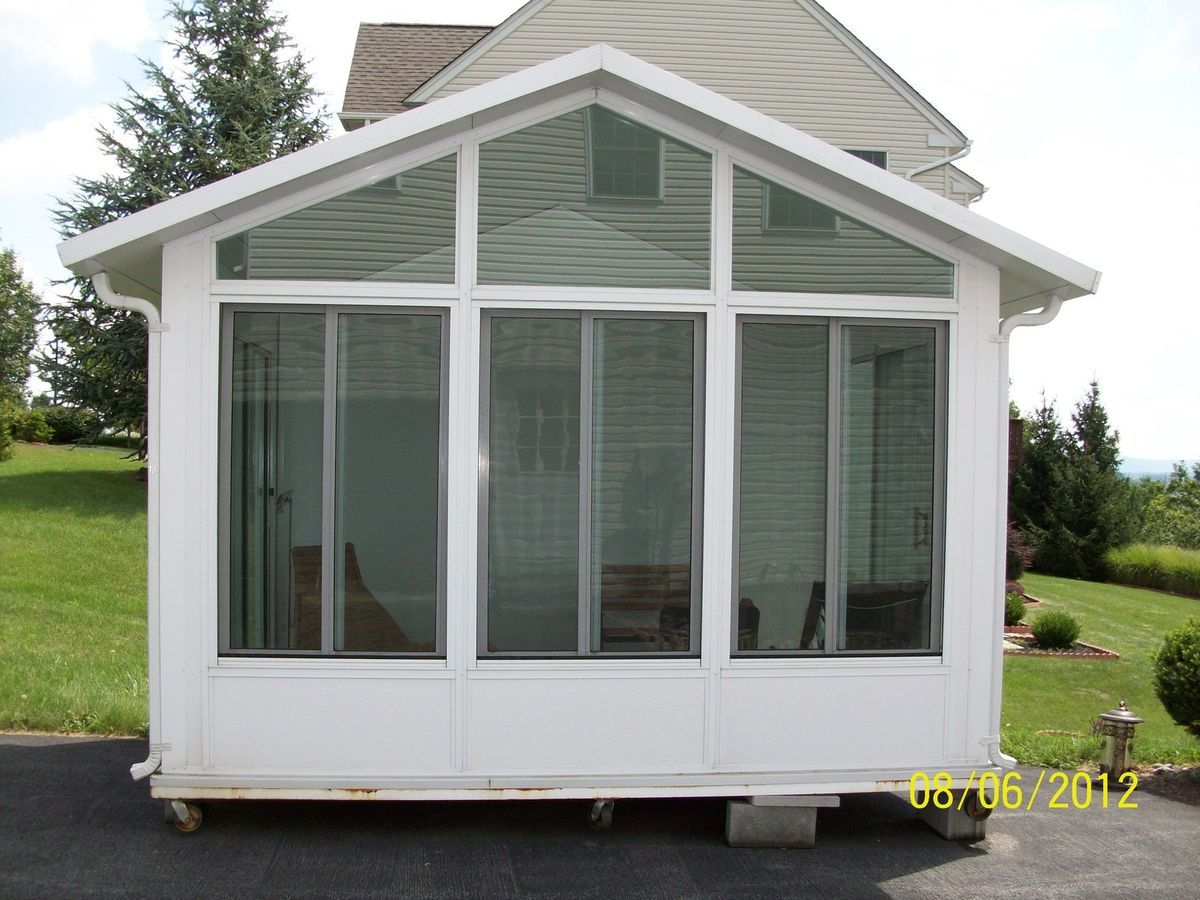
{"type": "Point", "coordinates": [583, 434]}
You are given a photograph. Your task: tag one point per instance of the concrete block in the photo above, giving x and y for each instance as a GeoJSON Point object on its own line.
{"type": "Point", "coordinates": [748, 825]}
{"type": "Point", "coordinates": [954, 824]}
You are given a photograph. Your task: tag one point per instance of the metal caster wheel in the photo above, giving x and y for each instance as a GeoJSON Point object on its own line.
{"type": "Point", "coordinates": [185, 816]}
{"type": "Point", "coordinates": [601, 815]}
{"type": "Point", "coordinates": [976, 811]}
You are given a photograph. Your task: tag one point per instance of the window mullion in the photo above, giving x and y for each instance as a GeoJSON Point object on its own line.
{"type": "Point", "coordinates": [328, 470]}
{"type": "Point", "coordinates": [833, 463]}
{"type": "Point", "coordinates": [585, 484]}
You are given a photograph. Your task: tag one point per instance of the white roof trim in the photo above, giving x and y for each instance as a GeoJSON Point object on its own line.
{"type": "Point", "coordinates": [468, 58]}
{"type": "Point", "coordinates": [438, 79]}
{"type": "Point", "coordinates": [207, 205]}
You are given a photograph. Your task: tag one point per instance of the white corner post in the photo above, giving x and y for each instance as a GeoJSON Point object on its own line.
{"type": "Point", "coordinates": [1043, 316]}
{"type": "Point", "coordinates": [154, 327]}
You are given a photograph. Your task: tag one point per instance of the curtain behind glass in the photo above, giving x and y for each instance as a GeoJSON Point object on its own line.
{"type": "Point", "coordinates": [533, 485]}
{"type": "Point", "coordinates": [276, 428]}
{"type": "Point", "coordinates": [888, 433]}
{"type": "Point", "coordinates": [387, 488]}
{"type": "Point", "coordinates": [783, 472]}
{"type": "Point", "coordinates": [641, 492]}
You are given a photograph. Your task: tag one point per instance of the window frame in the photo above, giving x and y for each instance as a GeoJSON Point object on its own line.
{"type": "Point", "coordinates": [769, 188]}
{"type": "Point", "coordinates": [332, 311]}
{"type": "Point", "coordinates": [834, 383]}
{"type": "Point", "coordinates": [590, 154]}
{"type": "Point", "coordinates": [856, 151]}
{"type": "Point", "coordinates": [587, 317]}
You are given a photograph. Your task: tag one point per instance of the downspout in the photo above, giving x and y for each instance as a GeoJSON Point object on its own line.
{"type": "Point", "coordinates": [155, 327]}
{"type": "Point", "coordinates": [1043, 316]}
{"type": "Point", "coordinates": [921, 170]}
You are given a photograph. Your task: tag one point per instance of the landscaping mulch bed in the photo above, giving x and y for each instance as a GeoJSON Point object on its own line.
{"type": "Point", "coordinates": [1018, 641]}
{"type": "Point", "coordinates": [1174, 782]}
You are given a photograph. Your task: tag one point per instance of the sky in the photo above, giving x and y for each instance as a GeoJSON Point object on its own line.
{"type": "Point", "coordinates": [1085, 117]}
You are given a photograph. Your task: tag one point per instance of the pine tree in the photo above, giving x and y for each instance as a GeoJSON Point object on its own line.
{"type": "Point", "coordinates": [18, 328]}
{"type": "Point", "coordinates": [238, 97]}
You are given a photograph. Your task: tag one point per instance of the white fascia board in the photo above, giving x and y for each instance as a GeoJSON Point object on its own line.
{"type": "Point", "coordinates": [209, 205]}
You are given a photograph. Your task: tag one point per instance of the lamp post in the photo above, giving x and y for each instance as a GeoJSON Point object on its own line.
{"type": "Point", "coordinates": [1117, 727]}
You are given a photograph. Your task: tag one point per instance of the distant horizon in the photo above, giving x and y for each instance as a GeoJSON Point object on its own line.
{"type": "Point", "coordinates": [1141, 465]}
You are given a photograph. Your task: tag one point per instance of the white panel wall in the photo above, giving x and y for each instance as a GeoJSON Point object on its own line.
{"type": "Point", "coordinates": [320, 723]}
{"type": "Point", "coordinates": [563, 722]}
{"type": "Point", "coordinates": [809, 721]}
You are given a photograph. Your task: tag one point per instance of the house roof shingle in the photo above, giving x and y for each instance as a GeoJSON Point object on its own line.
{"type": "Point", "coordinates": [392, 60]}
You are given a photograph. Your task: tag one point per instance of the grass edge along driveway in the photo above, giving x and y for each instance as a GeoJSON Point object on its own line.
{"type": "Point", "coordinates": [72, 591]}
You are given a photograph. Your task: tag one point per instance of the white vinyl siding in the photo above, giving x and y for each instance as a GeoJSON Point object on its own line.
{"type": "Point", "coordinates": [771, 55]}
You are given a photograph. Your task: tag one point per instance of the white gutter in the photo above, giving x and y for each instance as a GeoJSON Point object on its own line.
{"type": "Point", "coordinates": [1008, 324]}
{"type": "Point", "coordinates": [155, 326]}
{"type": "Point", "coordinates": [921, 170]}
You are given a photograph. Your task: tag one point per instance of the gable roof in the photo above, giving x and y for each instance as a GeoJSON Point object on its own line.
{"type": "Point", "coordinates": [392, 60]}
{"type": "Point", "coordinates": [447, 74]}
{"type": "Point", "coordinates": [131, 247]}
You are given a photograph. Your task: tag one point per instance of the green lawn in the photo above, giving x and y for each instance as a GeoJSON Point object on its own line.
{"type": "Point", "coordinates": [72, 591]}
{"type": "Point", "coordinates": [1049, 703]}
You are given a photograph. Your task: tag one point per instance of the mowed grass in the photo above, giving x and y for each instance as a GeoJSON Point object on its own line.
{"type": "Point", "coordinates": [1049, 704]}
{"type": "Point", "coordinates": [72, 591]}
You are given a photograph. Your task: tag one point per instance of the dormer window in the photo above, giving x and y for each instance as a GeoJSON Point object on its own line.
{"type": "Point", "coordinates": [625, 160]}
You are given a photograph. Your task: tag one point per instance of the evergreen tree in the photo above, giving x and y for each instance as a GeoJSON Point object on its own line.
{"type": "Point", "coordinates": [18, 328]}
{"type": "Point", "coordinates": [238, 97]}
{"type": "Point", "coordinates": [1069, 495]}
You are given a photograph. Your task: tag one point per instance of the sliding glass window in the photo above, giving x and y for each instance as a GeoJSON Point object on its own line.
{"type": "Point", "coordinates": [841, 437]}
{"type": "Point", "coordinates": [333, 466]}
{"type": "Point", "coordinates": [592, 429]}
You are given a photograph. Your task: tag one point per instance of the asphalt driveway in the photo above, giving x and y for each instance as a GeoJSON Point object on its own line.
{"type": "Point", "coordinates": [73, 824]}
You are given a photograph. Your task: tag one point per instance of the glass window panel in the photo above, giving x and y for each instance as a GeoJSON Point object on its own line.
{"type": "Point", "coordinates": [874, 157]}
{"type": "Point", "coordinates": [541, 223]}
{"type": "Point", "coordinates": [533, 486]}
{"type": "Point", "coordinates": [643, 392]}
{"type": "Point", "coordinates": [783, 241]}
{"type": "Point", "coordinates": [783, 476]}
{"type": "Point", "coordinates": [387, 483]}
{"type": "Point", "coordinates": [888, 490]}
{"type": "Point", "coordinates": [276, 427]}
{"type": "Point", "coordinates": [398, 229]}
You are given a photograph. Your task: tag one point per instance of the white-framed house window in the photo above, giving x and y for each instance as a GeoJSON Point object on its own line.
{"type": "Point", "coordinates": [625, 160]}
{"type": "Point", "coordinates": [874, 157]}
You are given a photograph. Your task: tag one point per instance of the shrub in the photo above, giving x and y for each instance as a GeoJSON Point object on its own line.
{"type": "Point", "coordinates": [1019, 555]}
{"type": "Point", "coordinates": [29, 425]}
{"type": "Point", "coordinates": [1055, 629]}
{"type": "Point", "coordinates": [6, 440]}
{"type": "Point", "coordinates": [1014, 608]}
{"type": "Point", "coordinates": [1177, 675]}
{"type": "Point", "coordinates": [71, 425]}
{"type": "Point", "coordinates": [1155, 566]}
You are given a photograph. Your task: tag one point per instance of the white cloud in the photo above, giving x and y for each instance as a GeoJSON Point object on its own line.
{"type": "Point", "coordinates": [45, 160]}
{"type": "Point", "coordinates": [62, 36]}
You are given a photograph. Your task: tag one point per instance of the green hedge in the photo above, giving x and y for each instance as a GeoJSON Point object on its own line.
{"type": "Point", "coordinates": [1166, 568]}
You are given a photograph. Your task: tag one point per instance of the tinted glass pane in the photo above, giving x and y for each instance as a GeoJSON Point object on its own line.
{"type": "Point", "coordinates": [783, 241]}
{"type": "Point", "coordinates": [276, 426]}
{"type": "Point", "coordinates": [533, 486]}
{"type": "Point", "coordinates": [782, 488]}
{"type": "Point", "coordinates": [388, 448]}
{"type": "Point", "coordinates": [643, 393]}
{"type": "Point", "coordinates": [399, 229]}
{"type": "Point", "coordinates": [540, 224]}
{"type": "Point", "coordinates": [886, 537]}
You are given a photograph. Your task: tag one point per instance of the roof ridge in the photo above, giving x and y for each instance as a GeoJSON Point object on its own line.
{"type": "Point", "coordinates": [423, 25]}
